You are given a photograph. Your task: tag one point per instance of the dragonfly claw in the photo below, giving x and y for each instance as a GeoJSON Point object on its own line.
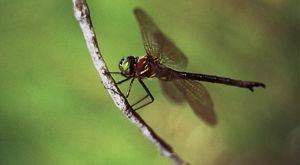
{"type": "Point", "coordinates": [256, 85]}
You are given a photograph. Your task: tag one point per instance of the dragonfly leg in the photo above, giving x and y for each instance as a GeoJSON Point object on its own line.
{"type": "Point", "coordinates": [120, 82]}
{"type": "Point", "coordinates": [139, 100]}
{"type": "Point", "coordinates": [129, 88]}
{"type": "Point", "coordinates": [148, 95]}
{"type": "Point", "coordinates": [115, 72]}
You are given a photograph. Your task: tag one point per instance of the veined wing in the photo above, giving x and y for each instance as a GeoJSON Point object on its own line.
{"type": "Point", "coordinates": [198, 98]}
{"type": "Point", "coordinates": [148, 28]}
{"type": "Point", "coordinates": [157, 44]}
{"type": "Point", "coordinates": [171, 91]}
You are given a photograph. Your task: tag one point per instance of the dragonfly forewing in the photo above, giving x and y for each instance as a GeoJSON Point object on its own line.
{"type": "Point", "coordinates": [159, 45]}
{"type": "Point", "coordinates": [148, 28]}
{"type": "Point", "coordinates": [171, 55]}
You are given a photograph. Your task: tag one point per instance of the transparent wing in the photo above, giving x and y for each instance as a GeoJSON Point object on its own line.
{"type": "Point", "coordinates": [171, 91]}
{"type": "Point", "coordinates": [198, 98]}
{"type": "Point", "coordinates": [157, 44]}
{"type": "Point", "coordinates": [148, 28]}
{"type": "Point", "coordinates": [171, 55]}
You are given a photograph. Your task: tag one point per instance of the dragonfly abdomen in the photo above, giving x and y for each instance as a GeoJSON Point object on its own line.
{"type": "Point", "coordinates": [221, 80]}
{"type": "Point", "coordinates": [166, 74]}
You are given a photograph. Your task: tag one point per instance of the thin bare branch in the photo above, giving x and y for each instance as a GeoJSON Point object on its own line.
{"type": "Point", "coordinates": [82, 15]}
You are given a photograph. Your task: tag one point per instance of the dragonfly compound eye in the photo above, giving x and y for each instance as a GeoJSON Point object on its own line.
{"type": "Point", "coordinates": [126, 65]}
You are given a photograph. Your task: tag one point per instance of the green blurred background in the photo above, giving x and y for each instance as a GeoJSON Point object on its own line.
{"type": "Point", "coordinates": [54, 109]}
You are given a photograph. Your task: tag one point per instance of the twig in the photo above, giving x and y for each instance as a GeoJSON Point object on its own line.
{"type": "Point", "coordinates": [82, 14]}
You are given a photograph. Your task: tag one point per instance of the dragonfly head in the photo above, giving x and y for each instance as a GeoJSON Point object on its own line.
{"type": "Point", "coordinates": [126, 66]}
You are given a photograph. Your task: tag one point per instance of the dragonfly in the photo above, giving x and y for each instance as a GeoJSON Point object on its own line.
{"type": "Point", "coordinates": [164, 60]}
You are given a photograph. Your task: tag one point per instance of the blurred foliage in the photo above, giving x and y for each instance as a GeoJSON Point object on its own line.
{"type": "Point", "coordinates": [54, 110]}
